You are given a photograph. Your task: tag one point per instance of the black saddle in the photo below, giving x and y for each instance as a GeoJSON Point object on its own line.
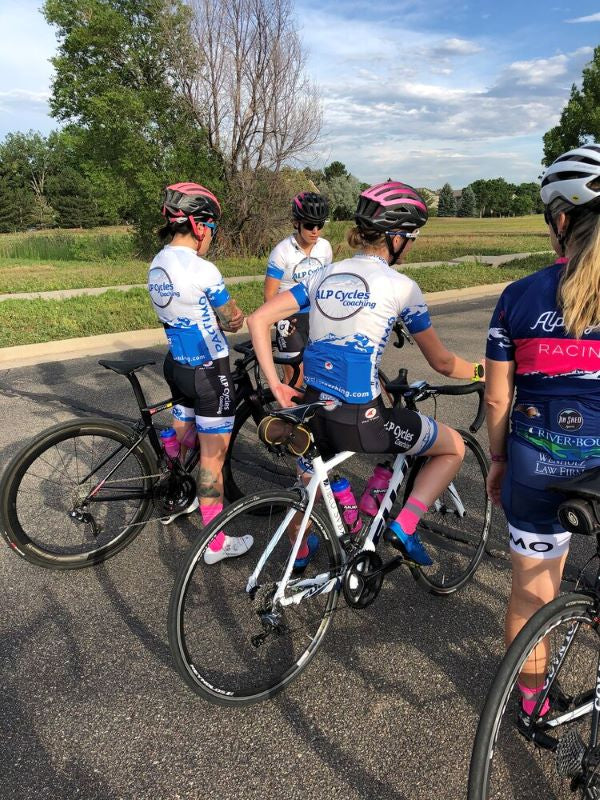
{"type": "Point", "coordinates": [301, 413]}
{"type": "Point", "coordinates": [124, 367]}
{"type": "Point", "coordinates": [586, 485]}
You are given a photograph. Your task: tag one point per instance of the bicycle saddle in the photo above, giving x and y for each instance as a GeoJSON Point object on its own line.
{"type": "Point", "coordinates": [585, 485]}
{"type": "Point", "coordinates": [301, 413]}
{"type": "Point", "coordinates": [124, 367]}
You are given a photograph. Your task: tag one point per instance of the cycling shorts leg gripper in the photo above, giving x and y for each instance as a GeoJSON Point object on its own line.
{"type": "Point", "coordinates": [214, 424]}
{"type": "Point", "coordinates": [183, 413]}
{"type": "Point", "coordinates": [538, 545]}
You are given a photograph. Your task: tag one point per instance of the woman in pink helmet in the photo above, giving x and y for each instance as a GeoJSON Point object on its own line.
{"type": "Point", "coordinates": [353, 305]}
{"type": "Point", "coordinates": [190, 299]}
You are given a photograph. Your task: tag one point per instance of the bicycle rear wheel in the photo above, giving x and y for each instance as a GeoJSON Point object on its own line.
{"type": "Point", "coordinates": [456, 527]}
{"type": "Point", "coordinates": [216, 626]}
{"type": "Point", "coordinates": [506, 762]}
{"type": "Point", "coordinates": [249, 467]}
{"type": "Point", "coordinates": [43, 512]}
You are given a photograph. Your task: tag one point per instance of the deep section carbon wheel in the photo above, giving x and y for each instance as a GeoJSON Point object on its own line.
{"type": "Point", "coordinates": [77, 494]}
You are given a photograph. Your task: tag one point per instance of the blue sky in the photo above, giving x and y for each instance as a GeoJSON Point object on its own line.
{"type": "Point", "coordinates": [426, 92]}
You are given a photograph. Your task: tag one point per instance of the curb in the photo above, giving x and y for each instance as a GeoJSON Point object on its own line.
{"type": "Point", "coordinates": [28, 355]}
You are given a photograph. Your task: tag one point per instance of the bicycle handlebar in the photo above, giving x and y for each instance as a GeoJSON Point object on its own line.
{"type": "Point", "coordinates": [422, 391]}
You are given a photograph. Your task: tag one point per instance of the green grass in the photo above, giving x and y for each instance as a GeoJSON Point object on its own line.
{"type": "Point", "coordinates": [31, 321]}
{"type": "Point", "coordinates": [45, 261]}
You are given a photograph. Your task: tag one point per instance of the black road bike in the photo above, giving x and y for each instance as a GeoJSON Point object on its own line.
{"type": "Point", "coordinates": [82, 490]}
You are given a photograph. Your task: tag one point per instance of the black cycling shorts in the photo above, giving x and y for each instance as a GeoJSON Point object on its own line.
{"type": "Point", "coordinates": [292, 335]}
{"type": "Point", "coordinates": [369, 428]}
{"type": "Point", "coordinates": [208, 394]}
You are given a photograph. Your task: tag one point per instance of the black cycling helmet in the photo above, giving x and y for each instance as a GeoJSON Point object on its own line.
{"type": "Point", "coordinates": [310, 207]}
{"type": "Point", "coordinates": [183, 201]}
{"type": "Point", "coordinates": [390, 206]}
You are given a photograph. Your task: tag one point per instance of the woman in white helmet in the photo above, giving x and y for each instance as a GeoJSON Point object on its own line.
{"type": "Point", "coordinates": [544, 340]}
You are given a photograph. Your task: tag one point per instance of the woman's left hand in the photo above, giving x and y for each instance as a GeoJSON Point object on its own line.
{"type": "Point", "coordinates": [494, 480]}
{"type": "Point", "coordinates": [285, 395]}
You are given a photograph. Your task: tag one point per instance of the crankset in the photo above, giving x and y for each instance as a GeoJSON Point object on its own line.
{"type": "Point", "coordinates": [363, 579]}
{"type": "Point", "coordinates": [176, 493]}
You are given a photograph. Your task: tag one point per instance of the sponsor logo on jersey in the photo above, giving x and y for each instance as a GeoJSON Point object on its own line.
{"type": "Point", "coordinates": [328, 365]}
{"type": "Point", "coordinates": [341, 295]}
{"type": "Point", "coordinates": [569, 419]}
{"type": "Point", "coordinates": [305, 268]}
{"type": "Point", "coordinates": [161, 287]}
{"type": "Point", "coordinates": [370, 413]}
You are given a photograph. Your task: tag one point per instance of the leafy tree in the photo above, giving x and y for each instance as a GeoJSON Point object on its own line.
{"type": "Point", "coordinates": [466, 205]}
{"type": "Point", "coordinates": [343, 192]}
{"type": "Point", "coordinates": [447, 202]}
{"type": "Point", "coordinates": [25, 166]}
{"type": "Point", "coordinates": [117, 76]}
{"type": "Point", "coordinates": [316, 176]}
{"type": "Point", "coordinates": [580, 118]}
{"type": "Point", "coordinates": [335, 170]}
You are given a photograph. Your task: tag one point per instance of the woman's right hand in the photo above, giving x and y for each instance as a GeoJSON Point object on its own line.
{"type": "Point", "coordinates": [494, 480]}
{"type": "Point", "coordinates": [285, 394]}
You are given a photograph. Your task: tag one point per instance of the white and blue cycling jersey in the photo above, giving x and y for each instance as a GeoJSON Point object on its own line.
{"type": "Point", "coordinates": [289, 264]}
{"type": "Point", "coordinates": [353, 307]}
{"type": "Point", "coordinates": [185, 289]}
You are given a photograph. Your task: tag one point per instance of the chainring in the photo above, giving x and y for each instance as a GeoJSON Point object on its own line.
{"type": "Point", "coordinates": [360, 590]}
{"type": "Point", "coordinates": [176, 493]}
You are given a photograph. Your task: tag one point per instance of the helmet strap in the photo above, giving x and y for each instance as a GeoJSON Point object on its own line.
{"type": "Point", "coordinates": [395, 254]}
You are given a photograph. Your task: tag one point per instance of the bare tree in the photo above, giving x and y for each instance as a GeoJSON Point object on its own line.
{"type": "Point", "coordinates": [250, 92]}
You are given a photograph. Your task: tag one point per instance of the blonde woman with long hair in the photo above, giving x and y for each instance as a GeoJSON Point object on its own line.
{"type": "Point", "coordinates": [544, 341]}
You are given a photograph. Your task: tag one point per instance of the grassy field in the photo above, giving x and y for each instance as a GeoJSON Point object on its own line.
{"type": "Point", "coordinates": [31, 321]}
{"type": "Point", "coordinates": [44, 261]}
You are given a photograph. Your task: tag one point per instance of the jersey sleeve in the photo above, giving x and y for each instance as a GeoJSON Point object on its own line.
{"type": "Point", "coordinates": [302, 290]}
{"type": "Point", "coordinates": [500, 346]}
{"type": "Point", "coordinates": [328, 255]}
{"type": "Point", "coordinates": [275, 265]}
{"type": "Point", "coordinates": [213, 285]}
{"type": "Point", "coordinates": [413, 310]}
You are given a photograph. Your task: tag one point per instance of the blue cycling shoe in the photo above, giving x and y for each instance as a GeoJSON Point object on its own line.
{"type": "Point", "coordinates": [410, 545]}
{"type": "Point", "coordinates": [312, 542]}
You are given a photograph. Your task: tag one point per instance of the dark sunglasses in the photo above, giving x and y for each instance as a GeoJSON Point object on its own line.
{"type": "Point", "coordinates": [310, 226]}
{"type": "Point", "coordinates": [403, 234]}
{"type": "Point", "coordinates": [213, 226]}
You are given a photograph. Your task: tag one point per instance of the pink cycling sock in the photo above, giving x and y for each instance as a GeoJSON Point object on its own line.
{"type": "Point", "coordinates": [410, 515]}
{"type": "Point", "coordinates": [208, 514]}
{"type": "Point", "coordinates": [529, 698]}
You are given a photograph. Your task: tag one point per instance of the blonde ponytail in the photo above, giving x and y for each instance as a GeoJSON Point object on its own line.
{"type": "Point", "coordinates": [358, 238]}
{"type": "Point", "coordinates": [579, 287]}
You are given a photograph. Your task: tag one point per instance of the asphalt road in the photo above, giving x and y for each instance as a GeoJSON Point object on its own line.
{"type": "Point", "coordinates": [91, 706]}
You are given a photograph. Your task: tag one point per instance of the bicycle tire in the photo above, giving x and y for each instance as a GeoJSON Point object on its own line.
{"type": "Point", "coordinates": [456, 544]}
{"type": "Point", "coordinates": [504, 763]}
{"type": "Point", "coordinates": [249, 467]}
{"type": "Point", "coordinates": [35, 508]}
{"type": "Point", "coordinates": [212, 619]}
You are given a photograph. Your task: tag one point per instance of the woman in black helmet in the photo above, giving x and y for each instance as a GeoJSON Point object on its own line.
{"type": "Point", "coordinates": [293, 260]}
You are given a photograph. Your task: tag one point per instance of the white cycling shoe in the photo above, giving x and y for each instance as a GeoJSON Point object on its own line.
{"type": "Point", "coordinates": [188, 510]}
{"type": "Point", "coordinates": [232, 546]}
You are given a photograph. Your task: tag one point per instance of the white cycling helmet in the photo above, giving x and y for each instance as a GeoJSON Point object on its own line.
{"type": "Point", "coordinates": [574, 177]}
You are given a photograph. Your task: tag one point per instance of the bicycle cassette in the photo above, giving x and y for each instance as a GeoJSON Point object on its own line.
{"type": "Point", "coordinates": [363, 579]}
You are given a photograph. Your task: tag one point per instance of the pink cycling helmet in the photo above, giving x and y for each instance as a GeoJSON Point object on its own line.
{"type": "Point", "coordinates": [390, 206]}
{"type": "Point", "coordinates": [190, 201]}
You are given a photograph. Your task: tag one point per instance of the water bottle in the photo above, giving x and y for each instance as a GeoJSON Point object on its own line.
{"type": "Point", "coordinates": [376, 487]}
{"type": "Point", "coordinates": [170, 444]}
{"type": "Point", "coordinates": [342, 491]}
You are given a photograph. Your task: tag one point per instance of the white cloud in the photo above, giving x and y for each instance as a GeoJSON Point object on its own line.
{"type": "Point", "coordinates": [19, 100]}
{"type": "Point", "coordinates": [590, 18]}
{"type": "Point", "coordinates": [456, 47]}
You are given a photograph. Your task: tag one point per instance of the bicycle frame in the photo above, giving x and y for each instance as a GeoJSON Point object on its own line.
{"type": "Point", "coordinates": [324, 582]}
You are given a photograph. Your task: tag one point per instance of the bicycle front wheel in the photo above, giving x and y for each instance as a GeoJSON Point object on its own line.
{"type": "Point", "coordinates": [249, 467]}
{"type": "Point", "coordinates": [232, 645]}
{"type": "Point", "coordinates": [456, 527]}
{"type": "Point", "coordinates": [77, 494]}
{"type": "Point", "coordinates": [514, 757]}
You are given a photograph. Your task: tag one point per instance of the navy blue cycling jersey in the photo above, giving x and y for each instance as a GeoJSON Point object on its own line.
{"type": "Point", "coordinates": [555, 419]}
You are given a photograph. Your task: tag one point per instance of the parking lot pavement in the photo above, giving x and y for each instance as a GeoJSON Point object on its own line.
{"type": "Point", "coordinates": [91, 706]}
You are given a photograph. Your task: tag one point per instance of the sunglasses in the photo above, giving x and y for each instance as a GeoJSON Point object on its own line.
{"type": "Point", "coordinates": [213, 226]}
{"type": "Point", "coordinates": [310, 226]}
{"type": "Point", "coordinates": [404, 234]}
